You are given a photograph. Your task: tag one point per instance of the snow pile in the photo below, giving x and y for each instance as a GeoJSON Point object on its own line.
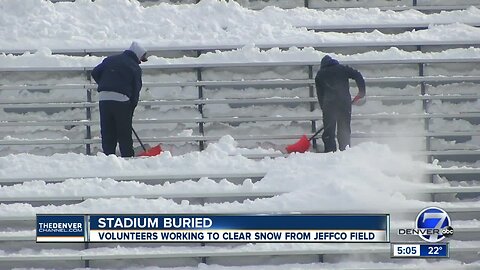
{"type": "Point", "coordinates": [356, 180]}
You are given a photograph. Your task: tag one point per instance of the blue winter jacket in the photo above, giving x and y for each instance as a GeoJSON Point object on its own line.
{"type": "Point", "coordinates": [120, 73]}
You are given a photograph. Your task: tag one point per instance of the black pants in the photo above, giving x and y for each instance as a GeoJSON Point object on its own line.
{"type": "Point", "coordinates": [336, 116]}
{"type": "Point", "coordinates": [116, 127]}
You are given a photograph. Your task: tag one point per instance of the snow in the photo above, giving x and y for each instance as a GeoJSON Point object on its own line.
{"type": "Point", "coordinates": [453, 265]}
{"type": "Point", "coordinates": [82, 24]}
{"type": "Point", "coordinates": [245, 54]}
{"type": "Point", "coordinates": [311, 181]}
{"type": "Point", "coordinates": [382, 176]}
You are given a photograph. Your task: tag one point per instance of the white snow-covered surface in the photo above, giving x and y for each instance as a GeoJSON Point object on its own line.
{"type": "Point", "coordinates": [351, 181]}
{"type": "Point", "coordinates": [233, 16]}
{"type": "Point", "coordinates": [311, 182]}
{"type": "Point", "coordinates": [212, 249]}
{"type": "Point", "coordinates": [419, 263]}
{"type": "Point", "coordinates": [233, 24]}
{"type": "Point", "coordinates": [82, 24]}
{"type": "Point", "coordinates": [369, 177]}
{"type": "Point", "coordinates": [246, 54]}
{"type": "Point", "coordinates": [320, 178]}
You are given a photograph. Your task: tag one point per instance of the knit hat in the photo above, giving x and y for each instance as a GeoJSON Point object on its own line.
{"type": "Point", "coordinates": [139, 51]}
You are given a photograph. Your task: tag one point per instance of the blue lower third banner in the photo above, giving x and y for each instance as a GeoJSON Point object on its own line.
{"type": "Point", "coordinates": [237, 228]}
{"type": "Point", "coordinates": [61, 228]}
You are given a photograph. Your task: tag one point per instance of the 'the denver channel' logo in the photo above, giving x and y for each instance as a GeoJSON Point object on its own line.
{"type": "Point", "coordinates": [432, 225]}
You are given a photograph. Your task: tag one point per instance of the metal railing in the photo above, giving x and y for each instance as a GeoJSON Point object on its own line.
{"type": "Point", "coordinates": [202, 85]}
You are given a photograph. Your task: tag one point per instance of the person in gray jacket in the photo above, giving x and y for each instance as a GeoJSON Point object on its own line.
{"type": "Point", "coordinates": [333, 93]}
{"type": "Point", "coordinates": [119, 79]}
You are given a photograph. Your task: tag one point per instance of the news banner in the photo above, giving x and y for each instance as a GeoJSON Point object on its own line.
{"type": "Point", "coordinates": [212, 228]}
{"type": "Point", "coordinates": [225, 228]}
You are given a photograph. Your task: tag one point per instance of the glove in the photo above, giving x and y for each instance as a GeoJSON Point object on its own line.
{"type": "Point", "coordinates": [359, 100]}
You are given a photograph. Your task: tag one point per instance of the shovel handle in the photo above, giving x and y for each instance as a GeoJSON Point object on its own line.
{"type": "Point", "coordinates": [138, 138]}
{"type": "Point", "coordinates": [316, 133]}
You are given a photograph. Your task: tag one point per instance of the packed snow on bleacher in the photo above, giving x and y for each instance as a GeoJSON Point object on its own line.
{"type": "Point", "coordinates": [82, 24]}
{"type": "Point", "coordinates": [366, 178]}
{"type": "Point", "coordinates": [354, 179]}
{"type": "Point", "coordinates": [369, 177]}
{"type": "Point", "coordinates": [44, 57]}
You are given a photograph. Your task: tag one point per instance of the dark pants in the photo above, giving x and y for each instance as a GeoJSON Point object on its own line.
{"type": "Point", "coordinates": [116, 127]}
{"type": "Point", "coordinates": [336, 116]}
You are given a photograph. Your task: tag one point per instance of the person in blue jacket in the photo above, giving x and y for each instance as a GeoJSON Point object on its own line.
{"type": "Point", "coordinates": [119, 79]}
{"type": "Point", "coordinates": [333, 93]}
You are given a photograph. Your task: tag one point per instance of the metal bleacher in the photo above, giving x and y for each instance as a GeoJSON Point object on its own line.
{"type": "Point", "coordinates": [226, 195]}
{"type": "Point", "coordinates": [97, 255]}
{"type": "Point", "coordinates": [394, 5]}
{"type": "Point", "coordinates": [399, 5]}
{"type": "Point", "coordinates": [399, 27]}
{"type": "Point", "coordinates": [89, 104]}
{"type": "Point", "coordinates": [199, 49]}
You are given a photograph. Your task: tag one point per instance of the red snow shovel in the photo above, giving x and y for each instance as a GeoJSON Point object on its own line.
{"type": "Point", "coordinates": [303, 144]}
{"type": "Point", "coordinates": [154, 151]}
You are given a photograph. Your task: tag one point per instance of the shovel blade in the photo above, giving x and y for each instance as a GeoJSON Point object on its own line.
{"type": "Point", "coordinates": [154, 151]}
{"type": "Point", "coordinates": [300, 146]}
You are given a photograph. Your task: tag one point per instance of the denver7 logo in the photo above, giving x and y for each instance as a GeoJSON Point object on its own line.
{"type": "Point", "coordinates": [431, 222]}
